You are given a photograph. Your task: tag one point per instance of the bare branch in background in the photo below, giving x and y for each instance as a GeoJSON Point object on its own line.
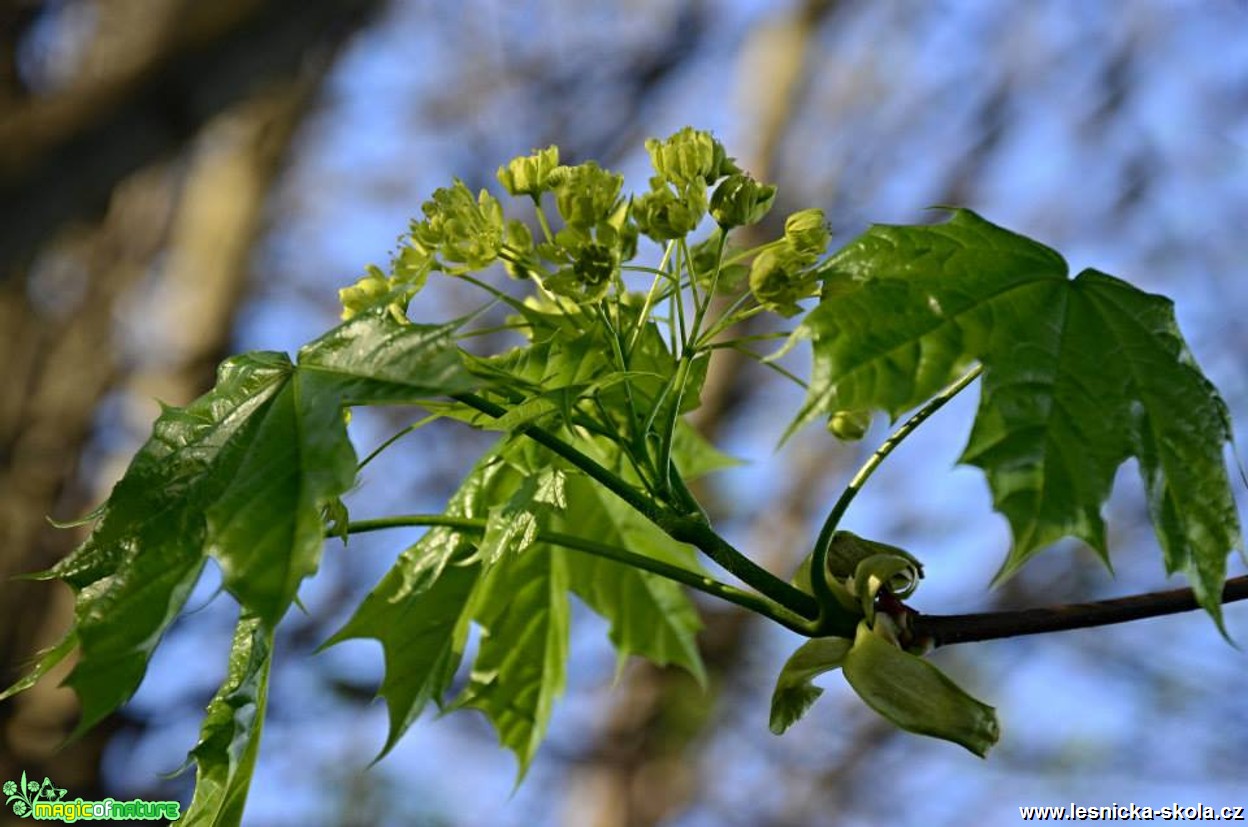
{"type": "Point", "coordinates": [60, 157]}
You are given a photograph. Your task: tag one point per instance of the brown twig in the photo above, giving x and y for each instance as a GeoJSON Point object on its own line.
{"type": "Point", "coordinates": [944, 630]}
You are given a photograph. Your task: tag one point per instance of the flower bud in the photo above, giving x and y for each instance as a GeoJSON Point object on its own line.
{"type": "Point", "coordinates": [807, 233]}
{"type": "Point", "coordinates": [685, 157]}
{"type": "Point", "coordinates": [663, 215]}
{"type": "Point", "coordinates": [849, 426]}
{"type": "Point", "coordinates": [740, 200]}
{"type": "Point", "coordinates": [778, 280]}
{"type": "Point", "coordinates": [363, 293]}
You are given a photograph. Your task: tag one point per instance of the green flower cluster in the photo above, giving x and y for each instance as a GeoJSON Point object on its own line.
{"type": "Point", "coordinates": [686, 165]}
{"type": "Point", "coordinates": [597, 235]}
{"type": "Point", "coordinates": [580, 260]}
{"type": "Point", "coordinates": [529, 174]}
{"type": "Point", "coordinates": [586, 253]}
{"type": "Point", "coordinates": [466, 231]}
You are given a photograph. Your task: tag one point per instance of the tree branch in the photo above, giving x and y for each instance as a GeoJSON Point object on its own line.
{"type": "Point", "coordinates": [694, 531]}
{"type": "Point", "coordinates": [944, 630]}
{"type": "Point", "coordinates": [703, 583]}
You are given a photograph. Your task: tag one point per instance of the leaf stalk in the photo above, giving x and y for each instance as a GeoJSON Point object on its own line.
{"type": "Point", "coordinates": [707, 585]}
{"type": "Point", "coordinates": [828, 605]}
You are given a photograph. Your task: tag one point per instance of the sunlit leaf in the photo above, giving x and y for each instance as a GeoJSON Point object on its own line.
{"type": "Point", "coordinates": [420, 610]}
{"type": "Point", "coordinates": [650, 616]}
{"type": "Point", "coordinates": [144, 555]}
{"type": "Point", "coordinates": [520, 668]}
{"type": "Point", "coordinates": [229, 739]}
{"type": "Point", "coordinates": [245, 474]}
{"type": "Point", "coordinates": [1079, 376]}
{"type": "Point", "coordinates": [512, 524]}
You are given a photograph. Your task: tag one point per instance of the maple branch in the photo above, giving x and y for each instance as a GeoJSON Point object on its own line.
{"type": "Point", "coordinates": [701, 582]}
{"type": "Point", "coordinates": [682, 528]}
{"type": "Point", "coordinates": [945, 630]}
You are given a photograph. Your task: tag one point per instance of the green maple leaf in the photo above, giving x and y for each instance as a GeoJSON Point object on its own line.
{"type": "Point", "coordinates": [513, 524]}
{"type": "Point", "coordinates": [523, 608]}
{"type": "Point", "coordinates": [1080, 375]}
{"type": "Point", "coordinates": [649, 615]}
{"type": "Point", "coordinates": [242, 474]}
{"type": "Point", "coordinates": [420, 610]}
{"type": "Point", "coordinates": [521, 666]}
{"type": "Point", "coordinates": [515, 586]}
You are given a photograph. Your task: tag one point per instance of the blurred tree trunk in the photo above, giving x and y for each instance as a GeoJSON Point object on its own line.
{"type": "Point", "coordinates": [172, 250]}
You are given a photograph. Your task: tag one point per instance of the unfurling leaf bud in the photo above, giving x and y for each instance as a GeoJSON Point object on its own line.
{"type": "Point", "coordinates": [846, 550]}
{"type": "Point", "coordinates": [915, 695]}
{"type": "Point", "coordinates": [740, 200]}
{"type": "Point", "coordinates": [529, 174]}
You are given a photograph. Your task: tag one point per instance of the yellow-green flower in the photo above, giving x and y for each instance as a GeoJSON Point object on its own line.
{"type": "Point", "coordinates": [529, 174]}
{"type": "Point", "coordinates": [465, 229]}
{"type": "Point", "coordinates": [586, 194]}
{"type": "Point", "coordinates": [663, 215]}
{"type": "Point", "coordinates": [365, 292]}
{"type": "Point", "coordinates": [688, 156]}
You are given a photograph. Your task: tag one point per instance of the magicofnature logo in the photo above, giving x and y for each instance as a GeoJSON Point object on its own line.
{"type": "Point", "coordinates": [46, 802]}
